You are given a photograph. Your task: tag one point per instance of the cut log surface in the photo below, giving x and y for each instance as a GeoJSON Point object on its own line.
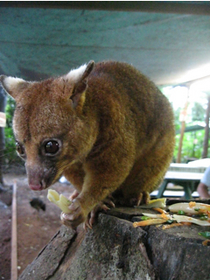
{"type": "Point", "coordinates": [114, 249]}
{"type": "Point", "coordinates": [177, 255]}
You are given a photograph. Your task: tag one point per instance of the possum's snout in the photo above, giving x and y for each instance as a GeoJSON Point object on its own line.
{"type": "Point", "coordinates": [39, 178]}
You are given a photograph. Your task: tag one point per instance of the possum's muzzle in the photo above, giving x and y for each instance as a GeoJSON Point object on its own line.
{"type": "Point", "coordinates": [40, 178]}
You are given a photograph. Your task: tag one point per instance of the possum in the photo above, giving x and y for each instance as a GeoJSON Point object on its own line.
{"type": "Point", "coordinates": [104, 126]}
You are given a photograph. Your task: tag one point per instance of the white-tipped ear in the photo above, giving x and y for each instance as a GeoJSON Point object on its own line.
{"type": "Point", "coordinates": [80, 82]}
{"type": "Point", "coordinates": [12, 85]}
{"type": "Point", "coordinates": [76, 75]}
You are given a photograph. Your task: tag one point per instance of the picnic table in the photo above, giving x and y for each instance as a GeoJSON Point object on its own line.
{"type": "Point", "coordinates": [183, 175]}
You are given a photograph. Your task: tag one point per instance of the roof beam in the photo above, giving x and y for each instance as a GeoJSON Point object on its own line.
{"type": "Point", "coordinates": [180, 7]}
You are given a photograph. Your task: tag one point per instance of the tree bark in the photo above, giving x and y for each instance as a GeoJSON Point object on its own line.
{"type": "Point", "coordinates": [114, 249]}
{"type": "Point", "coordinates": [182, 119]}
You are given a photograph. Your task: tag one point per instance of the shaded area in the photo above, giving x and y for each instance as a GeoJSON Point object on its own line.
{"type": "Point", "coordinates": [164, 40]}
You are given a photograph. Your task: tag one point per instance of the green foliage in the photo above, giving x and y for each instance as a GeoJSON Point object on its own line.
{"type": "Point", "coordinates": [192, 146]}
{"type": "Point", "coordinates": [176, 118]}
{"type": "Point", "coordinates": [10, 155]}
{"type": "Point", "coordinates": [9, 110]}
{"type": "Point", "coordinates": [197, 112]}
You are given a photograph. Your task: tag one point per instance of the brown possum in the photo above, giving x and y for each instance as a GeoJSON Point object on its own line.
{"type": "Point", "coordinates": [104, 126]}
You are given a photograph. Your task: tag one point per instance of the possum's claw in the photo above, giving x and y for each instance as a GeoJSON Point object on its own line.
{"type": "Point", "coordinates": [73, 195]}
{"type": "Point", "coordinates": [102, 206]}
{"type": "Point", "coordinates": [146, 197]}
{"type": "Point", "coordinates": [133, 200]}
{"type": "Point", "coordinates": [93, 215]}
{"type": "Point", "coordinates": [143, 198]}
{"type": "Point", "coordinates": [109, 201]}
{"type": "Point", "coordinates": [76, 217]}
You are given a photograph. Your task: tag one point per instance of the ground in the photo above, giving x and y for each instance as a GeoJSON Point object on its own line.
{"type": "Point", "coordinates": [34, 229]}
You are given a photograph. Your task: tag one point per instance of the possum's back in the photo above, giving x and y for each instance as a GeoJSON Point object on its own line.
{"type": "Point", "coordinates": [123, 90]}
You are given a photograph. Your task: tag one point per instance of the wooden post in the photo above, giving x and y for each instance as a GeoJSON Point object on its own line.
{"type": "Point", "coordinates": [14, 274]}
{"type": "Point", "coordinates": [178, 160]}
{"type": "Point", "coordinates": [182, 117]}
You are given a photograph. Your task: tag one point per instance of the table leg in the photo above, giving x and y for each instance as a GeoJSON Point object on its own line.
{"type": "Point", "coordinates": [187, 191]}
{"type": "Point", "coordinates": [162, 188]}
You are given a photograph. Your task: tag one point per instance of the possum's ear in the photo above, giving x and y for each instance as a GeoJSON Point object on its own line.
{"type": "Point", "coordinates": [13, 86]}
{"type": "Point", "coordinates": [79, 77]}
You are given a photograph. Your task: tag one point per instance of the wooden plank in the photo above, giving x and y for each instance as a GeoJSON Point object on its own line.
{"type": "Point", "coordinates": [14, 274]}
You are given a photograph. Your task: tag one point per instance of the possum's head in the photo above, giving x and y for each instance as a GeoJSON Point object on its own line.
{"type": "Point", "coordinates": [47, 123]}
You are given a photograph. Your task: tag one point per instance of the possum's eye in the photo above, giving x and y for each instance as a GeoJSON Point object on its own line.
{"type": "Point", "coordinates": [20, 149]}
{"type": "Point", "coordinates": [51, 147]}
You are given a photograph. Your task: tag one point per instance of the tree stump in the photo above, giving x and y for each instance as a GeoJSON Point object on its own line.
{"type": "Point", "coordinates": [114, 249]}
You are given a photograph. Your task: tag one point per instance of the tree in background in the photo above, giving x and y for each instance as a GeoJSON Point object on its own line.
{"type": "Point", "coordinates": [8, 155]}
{"type": "Point", "coordinates": [193, 141]}
{"type": "Point", "coordinates": [10, 151]}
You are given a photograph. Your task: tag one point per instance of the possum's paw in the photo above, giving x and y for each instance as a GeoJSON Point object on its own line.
{"type": "Point", "coordinates": [135, 200]}
{"type": "Point", "coordinates": [142, 198]}
{"type": "Point", "coordinates": [102, 206]}
{"type": "Point", "coordinates": [76, 217]}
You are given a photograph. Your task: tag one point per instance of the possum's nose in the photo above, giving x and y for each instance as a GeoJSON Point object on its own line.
{"type": "Point", "coordinates": [36, 187]}
{"type": "Point", "coordinates": [36, 178]}
{"type": "Point", "coordinates": [40, 177]}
